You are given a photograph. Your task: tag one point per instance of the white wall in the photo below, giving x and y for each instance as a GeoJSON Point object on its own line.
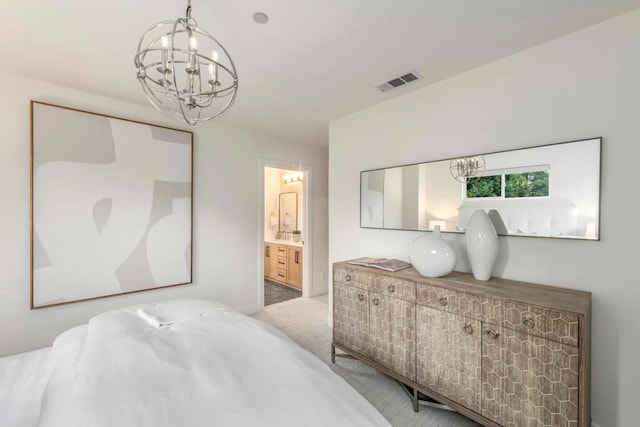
{"type": "Point", "coordinates": [586, 84]}
{"type": "Point", "coordinates": [227, 219]}
{"type": "Point", "coordinates": [271, 192]}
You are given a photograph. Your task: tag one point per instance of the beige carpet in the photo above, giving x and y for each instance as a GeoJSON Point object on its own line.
{"type": "Point", "coordinates": [304, 320]}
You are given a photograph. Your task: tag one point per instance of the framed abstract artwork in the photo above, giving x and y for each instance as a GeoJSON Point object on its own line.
{"type": "Point", "coordinates": [111, 205]}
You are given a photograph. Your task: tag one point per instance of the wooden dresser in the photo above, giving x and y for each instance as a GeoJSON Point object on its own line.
{"type": "Point", "coordinates": [501, 352]}
{"type": "Point", "coordinates": [283, 264]}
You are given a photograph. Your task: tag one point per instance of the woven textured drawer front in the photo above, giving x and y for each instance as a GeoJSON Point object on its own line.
{"type": "Point", "coordinates": [375, 281]}
{"type": "Point", "coordinates": [461, 303]}
{"type": "Point", "coordinates": [353, 277]}
{"type": "Point", "coordinates": [398, 288]}
{"type": "Point", "coordinates": [553, 325]}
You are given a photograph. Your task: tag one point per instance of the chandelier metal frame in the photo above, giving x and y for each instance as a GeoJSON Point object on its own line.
{"type": "Point", "coordinates": [467, 169]}
{"type": "Point", "coordinates": [171, 70]}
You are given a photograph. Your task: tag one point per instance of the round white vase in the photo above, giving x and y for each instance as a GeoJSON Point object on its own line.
{"type": "Point", "coordinates": [431, 255]}
{"type": "Point", "coordinates": [482, 244]}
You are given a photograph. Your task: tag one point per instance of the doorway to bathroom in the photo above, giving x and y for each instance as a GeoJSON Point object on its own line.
{"type": "Point", "coordinates": [285, 234]}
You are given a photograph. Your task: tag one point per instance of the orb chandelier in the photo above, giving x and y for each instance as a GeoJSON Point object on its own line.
{"type": "Point", "coordinates": [467, 169]}
{"type": "Point", "coordinates": [184, 71]}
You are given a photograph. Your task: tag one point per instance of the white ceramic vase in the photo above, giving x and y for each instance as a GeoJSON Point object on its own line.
{"type": "Point", "coordinates": [431, 255]}
{"type": "Point", "coordinates": [482, 244]}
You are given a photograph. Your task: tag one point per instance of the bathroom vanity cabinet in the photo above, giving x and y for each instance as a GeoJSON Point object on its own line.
{"type": "Point", "coordinates": [283, 264]}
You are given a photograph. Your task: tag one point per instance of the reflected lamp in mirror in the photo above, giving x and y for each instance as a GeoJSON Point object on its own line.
{"type": "Point", "coordinates": [544, 191]}
{"type": "Point", "coordinates": [442, 224]}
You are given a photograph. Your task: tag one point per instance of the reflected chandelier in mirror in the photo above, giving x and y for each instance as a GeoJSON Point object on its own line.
{"type": "Point", "coordinates": [544, 191]}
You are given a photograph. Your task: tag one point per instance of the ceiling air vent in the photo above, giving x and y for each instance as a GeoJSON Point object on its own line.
{"type": "Point", "coordinates": [399, 81]}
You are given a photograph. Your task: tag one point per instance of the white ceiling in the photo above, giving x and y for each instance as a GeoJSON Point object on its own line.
{"type": "Point", "coordinates": [312, 62]}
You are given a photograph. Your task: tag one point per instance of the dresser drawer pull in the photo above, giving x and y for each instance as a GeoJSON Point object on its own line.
{"type": "Point", "coordinates": [529, 322]}
{"type": "Point", "coordinates": [376, 301]}
{"type": "Point", "coordinates": [361, 297]}
{"type": "Point", "coordinates": [392, 288]}
{"type": "Point", "coordinates": [281, 262]}
{"type": "Point", "coordinates": [443, 301]}
{"type": "Point", "coordinates": [492, 334]}
{"type": "Point", "coordinates": [347, 278]}
{"type": "Point", "coordinates": [281, 274]}
{"type": "Point", "coordinates": [467, 329]}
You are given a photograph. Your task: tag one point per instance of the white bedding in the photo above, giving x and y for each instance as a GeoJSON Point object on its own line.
{"type": "Point", "coordinates": [211, 366]}
{"type": "Point", "coordinates": [22, 380]}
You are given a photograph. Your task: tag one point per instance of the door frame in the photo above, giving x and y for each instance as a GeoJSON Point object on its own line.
{"type": "Point", "coordinates": [307, 265]}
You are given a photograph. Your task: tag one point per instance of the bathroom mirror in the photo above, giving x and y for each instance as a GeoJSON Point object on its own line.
{"type": "Point", "coordinates": [288, 213]}
{"type": "Point", "coordinates": [545, 191]}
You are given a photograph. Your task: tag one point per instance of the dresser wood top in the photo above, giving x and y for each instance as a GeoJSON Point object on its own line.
{"type": "Point", "coordinates": [523, 292]}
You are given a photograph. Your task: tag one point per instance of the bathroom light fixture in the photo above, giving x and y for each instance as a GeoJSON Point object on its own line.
{"type": "Point", "coordinates": [290, 179]}
{"type": "Point", "coordinates": [184, 71]}
{"type": "Point", "coordinates": [466, 169]}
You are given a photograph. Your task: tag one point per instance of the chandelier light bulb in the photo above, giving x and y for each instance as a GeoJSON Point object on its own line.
{"type": "Point", "coordinates": [193, 43]}
{"type": "Point", "coordinates": [165, 42]}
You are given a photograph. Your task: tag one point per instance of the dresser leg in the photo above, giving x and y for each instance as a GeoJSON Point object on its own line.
{"type": "Point", "coordinates": [415, 400]}
{"type": "Point", "coordinates": [333, 353]}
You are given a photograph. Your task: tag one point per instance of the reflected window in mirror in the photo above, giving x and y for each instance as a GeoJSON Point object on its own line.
{"type": "Point", "coordinates": [514, 184]}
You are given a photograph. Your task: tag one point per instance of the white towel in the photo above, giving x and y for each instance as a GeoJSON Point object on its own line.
{"type": "Point", "coordinates": [151, 316]}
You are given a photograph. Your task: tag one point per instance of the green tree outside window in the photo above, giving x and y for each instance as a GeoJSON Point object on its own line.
{"type": "Point", "coordinates": [516, 185]}
{"type": "Point", "coordinates": [485, 186]}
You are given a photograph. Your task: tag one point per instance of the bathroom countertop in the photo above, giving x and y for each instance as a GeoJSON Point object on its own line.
{"type": "Point", "coordinates": [284, 242]}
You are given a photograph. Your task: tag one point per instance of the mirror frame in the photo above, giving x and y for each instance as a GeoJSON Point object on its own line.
{"type": "Point", "coordinates": [598, 222]}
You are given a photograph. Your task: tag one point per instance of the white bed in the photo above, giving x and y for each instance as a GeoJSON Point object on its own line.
{"type": "Point", "coordinates": [205, 364]}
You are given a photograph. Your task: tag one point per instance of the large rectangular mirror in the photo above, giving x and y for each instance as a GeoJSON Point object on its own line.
{"type": "Point", "coordinates": [546, 191]}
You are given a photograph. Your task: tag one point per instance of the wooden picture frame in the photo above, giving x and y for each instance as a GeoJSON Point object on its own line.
{"type": "Point", "coordinates": [111, 205]}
